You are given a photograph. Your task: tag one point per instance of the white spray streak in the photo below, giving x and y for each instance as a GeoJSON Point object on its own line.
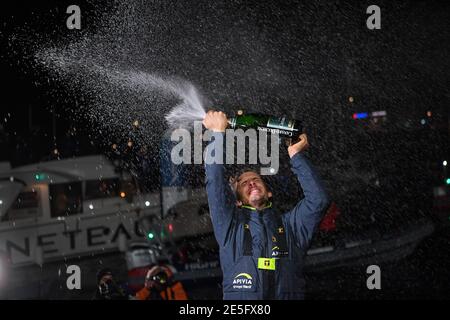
{"type": "Point", "coordinates": [184, 114]}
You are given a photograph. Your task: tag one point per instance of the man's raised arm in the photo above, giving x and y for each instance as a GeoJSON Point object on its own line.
{"type": "Point", "coordinates": [221, 199]}
{"type": "Point", "coordinates": [308, 213]}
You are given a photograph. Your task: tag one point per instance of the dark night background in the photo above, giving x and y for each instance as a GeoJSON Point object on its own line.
{"type": "Point", "coordinates": [317, 54]}
{"type": "Point", "coordinates": [323, 56]}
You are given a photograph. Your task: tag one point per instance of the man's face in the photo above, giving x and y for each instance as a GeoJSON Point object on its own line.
{"type": "Point", "coordinates": [251, 189]}
{"type": "Point", "coordinates": [106, 278]}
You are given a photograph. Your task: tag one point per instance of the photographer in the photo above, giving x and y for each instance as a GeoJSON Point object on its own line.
{"type": "Point", "coordinates": [159, 285]}
{"type": "Point", "coordinates": [107, 287]}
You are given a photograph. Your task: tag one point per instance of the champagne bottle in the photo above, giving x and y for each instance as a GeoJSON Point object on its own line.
{"type": "Point", "coordinates": [285, 127]}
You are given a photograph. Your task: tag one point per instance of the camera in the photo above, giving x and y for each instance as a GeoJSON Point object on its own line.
{"type": "Point", "coordinates": [160, 278]}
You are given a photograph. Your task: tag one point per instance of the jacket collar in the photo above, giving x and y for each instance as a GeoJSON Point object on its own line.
{"type": "Point", "coordinates": [268, 205]}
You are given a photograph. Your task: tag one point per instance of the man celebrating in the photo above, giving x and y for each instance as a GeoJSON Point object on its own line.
{"type": "Point", "coordinates": [261, 250]}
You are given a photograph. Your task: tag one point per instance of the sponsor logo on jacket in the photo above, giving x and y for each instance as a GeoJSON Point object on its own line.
{"type": "Point", "coordinates": [243, 281]}
{"type": "Point", "coordinates": [277, 253]}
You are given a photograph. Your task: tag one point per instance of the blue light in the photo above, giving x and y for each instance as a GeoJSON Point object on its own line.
{"type": "Point", "coordinates": [360, 115]}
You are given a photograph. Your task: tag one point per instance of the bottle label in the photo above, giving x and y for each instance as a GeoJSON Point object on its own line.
{"type": "Point", "coordinates": [282, 126]}
{"type": "Point", "coordinates": [288, 133]}
{"type": "Point", "coordinates": [280, 123]}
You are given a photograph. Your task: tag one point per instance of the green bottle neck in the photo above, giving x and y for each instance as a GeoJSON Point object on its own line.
{"type": "Point", "coordinates": [248, 120]}
{"type": "Point", "coordinates": [232, 122]}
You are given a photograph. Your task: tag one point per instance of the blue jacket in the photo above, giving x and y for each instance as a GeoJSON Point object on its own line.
{"type": "Point", "coordinates": [242, 279]}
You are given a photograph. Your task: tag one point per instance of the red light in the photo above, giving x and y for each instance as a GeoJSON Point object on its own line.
{"type": "Point", "coordinates": [170, 227]}
{"type": "Point", "coordinates": [355, 116]}
{"type": "Point", "coordinates": [328, 222]}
